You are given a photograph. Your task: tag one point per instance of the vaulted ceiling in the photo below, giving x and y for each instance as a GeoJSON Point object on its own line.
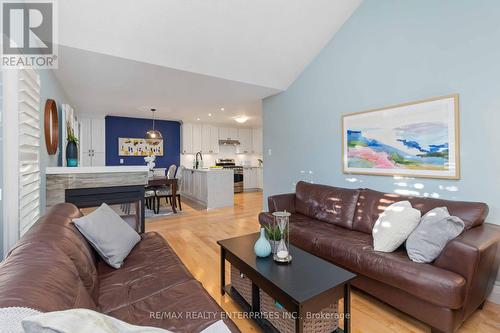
{"type": "Point", "coordinates": [189, 57]}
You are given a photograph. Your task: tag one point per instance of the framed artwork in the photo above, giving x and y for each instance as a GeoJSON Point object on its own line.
{"type": "Point", "coordinates": [418, 139]}
{"type": "Point", "coordinates": [139, 147]}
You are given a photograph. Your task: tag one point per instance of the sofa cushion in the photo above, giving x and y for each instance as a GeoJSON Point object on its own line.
{"type": "Point", "coordinates": [151, 267]}
{"type": "Point", "coordinates": [57, 230]}
{"type": "Point", "coordinates": [354, 250]}
{"type": "Point", "coordinates": [153, 288]}
{"type": "Point", "coordinates": [42, 277]}
{"type": "Point", "coordinates": [326, 203]}
{"type": "Point", "coordinates": [371, 203]}
{"type": "Point", "coordinates": [185, 307]}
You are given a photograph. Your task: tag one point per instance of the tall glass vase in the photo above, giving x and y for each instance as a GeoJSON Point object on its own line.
{"type": "Point", "coordinates": [281, 221]}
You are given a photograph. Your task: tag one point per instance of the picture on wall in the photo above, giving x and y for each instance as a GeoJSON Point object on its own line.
{"type": "Point", "coordinates": [139, 147]}
{"type": "Point", "coordinates": [418, 139]}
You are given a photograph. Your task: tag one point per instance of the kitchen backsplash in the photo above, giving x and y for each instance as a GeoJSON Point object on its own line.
{"type": "Point", "coordinates": [224, 152]}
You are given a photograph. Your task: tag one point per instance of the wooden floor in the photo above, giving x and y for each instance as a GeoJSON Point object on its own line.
{"type": "Point", "coordinates": [193, 235]}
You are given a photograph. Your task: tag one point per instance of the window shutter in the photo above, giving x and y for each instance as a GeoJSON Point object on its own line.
{"type": "Point", "coordinates": [29, 149]}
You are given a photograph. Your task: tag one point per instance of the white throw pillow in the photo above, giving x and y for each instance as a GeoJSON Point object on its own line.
{"type": "Point", "coordinates": [11, 318]}
{"type": "Point", "coordinates": [394, 226]}
{"type": "Point", "coordinates": [81, 321]}
{"type": "Point", "coordinates": [85, 321]}
{"type": "Point", "coordinates": [109, 234]}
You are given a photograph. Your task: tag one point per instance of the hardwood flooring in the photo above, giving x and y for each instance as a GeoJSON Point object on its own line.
{"type": "Point", "coordinates": [193, 235]}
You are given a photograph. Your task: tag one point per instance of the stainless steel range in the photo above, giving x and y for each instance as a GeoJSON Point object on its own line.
{"type": "Point", "coordinates": [228, 163]}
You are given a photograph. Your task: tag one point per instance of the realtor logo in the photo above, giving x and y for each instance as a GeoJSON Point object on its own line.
{"type": "Point", "coordinates": [28, 34]}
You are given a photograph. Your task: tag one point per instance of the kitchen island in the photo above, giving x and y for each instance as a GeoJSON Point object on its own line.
{"type": "Point", "coordinates": [211, 188]}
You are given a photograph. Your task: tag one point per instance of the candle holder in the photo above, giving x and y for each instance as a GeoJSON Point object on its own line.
{"type": "Point", "coordinates": [282, 253]}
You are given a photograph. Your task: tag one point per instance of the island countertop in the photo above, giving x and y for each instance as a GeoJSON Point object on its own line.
{"type": "Point", "coordinates": [209, 170]}
{"type": "Point", "coordinates": [100, 169]}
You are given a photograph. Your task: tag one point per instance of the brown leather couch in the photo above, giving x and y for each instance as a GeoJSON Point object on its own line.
{"type": "Point", "coordinates": [53, 267]}
{"type": "Point", "coordinates": [336, 224]}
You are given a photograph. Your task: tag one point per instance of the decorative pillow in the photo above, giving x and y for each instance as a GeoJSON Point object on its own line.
{"type": "Point", "coordinates": [108, 233]}
{"type": "Point", "coordinates": [81, 321]}
{"type": "Point", "coordinates": [394, 225]}
{"type": "Point", "coordinates": [85, 321]}
{"type": "Point", "coordinates": [11, 318]}
{"type": "Point", "coordinates": [429, 238]}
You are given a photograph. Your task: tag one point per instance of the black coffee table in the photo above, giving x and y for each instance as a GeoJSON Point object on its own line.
{"type": "Point", "coordinates": [307, 284]}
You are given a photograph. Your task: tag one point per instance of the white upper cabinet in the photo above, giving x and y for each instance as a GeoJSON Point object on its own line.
{"type": "Point", "coordinates": [245, 138]}
{"type": "Point", "coordinates": [205, 138]}
{"type": "Point", "coordinates": [187, 138]}
{"type": "Point", "coordinates": [228, 133]}
{"type": "Point", "coordinates": [92, 141]}
{"type": "Point", "coordinates": [209, 139]}
{"type": "Point", "coordinates": [257, 141]}
{"type": "Point", "coordinates": [196, 138]}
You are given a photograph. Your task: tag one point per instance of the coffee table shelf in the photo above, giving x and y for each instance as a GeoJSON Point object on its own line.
{"type": "Point", "coordinates": [307, 285]}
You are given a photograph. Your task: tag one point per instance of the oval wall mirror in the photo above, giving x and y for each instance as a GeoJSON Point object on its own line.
{"type": "Point", "coordinates": [51, 126]}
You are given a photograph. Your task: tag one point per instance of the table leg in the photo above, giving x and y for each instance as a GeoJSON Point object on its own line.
{"type": "Point", "coordinates": [299, 321]}
{"type": "Point", "coordinates": [255, 298]}
{"type": "Point", "coordinates": [174, 192]}
{"type": "Point", "coordinates": [222, 270]}
{"type": "Point", "coordinates": [347, 308]}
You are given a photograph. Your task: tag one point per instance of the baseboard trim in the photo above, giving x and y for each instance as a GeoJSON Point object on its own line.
{"type": "Point", "coordinates": [495, 293]}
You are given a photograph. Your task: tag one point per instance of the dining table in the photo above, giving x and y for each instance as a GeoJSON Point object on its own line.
{"type": "Point", "coordinates": [156, 182]}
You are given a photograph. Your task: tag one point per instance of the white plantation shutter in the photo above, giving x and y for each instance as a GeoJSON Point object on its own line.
{"type": "Point", "coordinates": [29, 149]}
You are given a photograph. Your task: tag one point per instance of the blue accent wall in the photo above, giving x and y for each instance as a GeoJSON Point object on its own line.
{"type": "Point", "coordinates": [124, 127]}
{"type": "Point", "coordinates": [391, 52]}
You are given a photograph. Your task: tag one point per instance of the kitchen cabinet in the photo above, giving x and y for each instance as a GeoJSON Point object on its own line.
{"type": "Point", "coordinates": [209, 139]}
{"type": "Point", "coordinates": [259, 174]}
{"type": "Point", "coordinates": [228, 133]}
{"type": "Point", "coordinates": [209, 188]}
{"type": "Point", "coordinates": [252, 178]}
{"type": "Point", "coordinates": [245, 138]}
{"type": "Point", "coordinates": [257, 141]}
{"type": "Point", "coordinates": [196, 138]}
{"type": "Point", "coordinates": [92, 142]}
{"type": "Point", "coordinates": [187, 138]}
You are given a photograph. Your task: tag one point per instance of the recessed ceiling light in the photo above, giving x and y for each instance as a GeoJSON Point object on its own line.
{"type": "Point", "coordinates": [210, 115]}
{"type": "Point", "coordinates": [241, 119]}
{"type": "Point", "coordinates": [198, 119]}
{"type": "Point", "coordinates": [222, 109]}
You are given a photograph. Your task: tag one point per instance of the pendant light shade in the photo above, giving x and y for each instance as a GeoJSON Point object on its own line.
{"type": "Point", "coordinates": [152, 133]}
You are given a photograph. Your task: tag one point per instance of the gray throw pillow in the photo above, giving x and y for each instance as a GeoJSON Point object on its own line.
{"type": "Point", "coordinates": [435, 230]}
{"type": "Point", "coordinates": [109, 234]}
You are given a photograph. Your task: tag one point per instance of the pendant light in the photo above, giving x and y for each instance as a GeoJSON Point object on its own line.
{"type": "Point", "coordinates": [152, 133]}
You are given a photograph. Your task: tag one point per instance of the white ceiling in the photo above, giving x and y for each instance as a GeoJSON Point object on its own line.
{"type": "Point", "coordinates": [250, 50]}
{"type": "Point", "coordinates": [106, 85]}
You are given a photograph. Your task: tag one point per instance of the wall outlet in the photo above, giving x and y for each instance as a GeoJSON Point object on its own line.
{"type": "Point", "coordinates": [269, 152]}
{"type": "Point", "coordinates": [121, 160]}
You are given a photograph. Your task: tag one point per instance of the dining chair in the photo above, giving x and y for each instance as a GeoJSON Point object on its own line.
{"type": "Point", "coordinates": [166, 191]}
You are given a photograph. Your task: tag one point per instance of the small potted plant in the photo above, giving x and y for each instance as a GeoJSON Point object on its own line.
{"type": "Point", "coordinates": [71, 147]}
{"type": "Point", "coordinates": [273, 235]}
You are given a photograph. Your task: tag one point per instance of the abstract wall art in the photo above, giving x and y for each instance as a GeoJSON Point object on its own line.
{"type": "Point", "coordinates": [139, 147]}
{"type": "Point", "coordinates": [418, 139]}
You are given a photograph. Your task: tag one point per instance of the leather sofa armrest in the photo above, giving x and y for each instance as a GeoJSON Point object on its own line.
{"type": "Point", "coordinates": [282, 202]}
{"type": "Point", "coordinates": [474, 255]}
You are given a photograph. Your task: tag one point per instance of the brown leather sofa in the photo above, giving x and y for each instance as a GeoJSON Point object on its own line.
{"type": "Point", "coordinates": [53, 267]}
{"type": "Point", "coordinates": [336, 224]}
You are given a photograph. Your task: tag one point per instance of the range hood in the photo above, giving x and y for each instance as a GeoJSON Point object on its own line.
{"type": "Point", "coordinates": [229, 142]}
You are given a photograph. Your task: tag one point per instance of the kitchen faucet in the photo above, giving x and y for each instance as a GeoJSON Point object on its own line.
{"type": "Point", "coordinates": [197, 164]}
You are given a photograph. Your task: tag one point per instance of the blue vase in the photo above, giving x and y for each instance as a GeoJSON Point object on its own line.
{"type": "Point", "coordinates": [71, 154]}
{"type": "Point", "coordinates": [262, 246]}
